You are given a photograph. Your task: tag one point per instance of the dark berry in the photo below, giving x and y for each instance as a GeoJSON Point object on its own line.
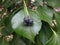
{"type": "Point", "coordinates": [27, 21]}
{"type": "Point", "coordinates": [30, 22]}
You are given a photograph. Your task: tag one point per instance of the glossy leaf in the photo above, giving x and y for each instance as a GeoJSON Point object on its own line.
{"type": "Point", "coordinates": [45, 14]}
{"type": "Point", "coordinates": [26, 31]}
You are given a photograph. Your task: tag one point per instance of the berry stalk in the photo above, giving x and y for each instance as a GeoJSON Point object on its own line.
{"type": "Point", "coordinates": [25, 8]}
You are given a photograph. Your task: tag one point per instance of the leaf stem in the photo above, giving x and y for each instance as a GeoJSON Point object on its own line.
{"type": "Point", "coordinates": [25, 8]}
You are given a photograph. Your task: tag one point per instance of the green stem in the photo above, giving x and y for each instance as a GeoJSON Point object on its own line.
{"type": "Point", "coordinates": [25, 8]}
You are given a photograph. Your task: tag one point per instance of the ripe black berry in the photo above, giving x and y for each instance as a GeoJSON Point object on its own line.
{"type": "Point", "coordinates": [27, 21]}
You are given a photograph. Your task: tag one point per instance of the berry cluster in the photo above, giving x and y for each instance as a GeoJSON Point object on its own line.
{"type": "Point", "coordinates": [27, 21]}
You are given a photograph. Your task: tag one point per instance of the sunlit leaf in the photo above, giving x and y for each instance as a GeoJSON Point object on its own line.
{"type": "Point", "coordinates": [26, 31]}
{"type": "Point", "coordinates": [45, 14]}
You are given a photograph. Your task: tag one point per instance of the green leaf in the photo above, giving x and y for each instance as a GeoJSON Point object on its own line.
{"type": "Point", "coordinates": [9, 2]}
{"type": "Point", "coordinates": [53, 3]}
{"type": "Point", "coordinates": [40, 2]}
{"type": "Point", "coordinates": [45, 33]}
{"type": "Point", "coordinates": [57, 18]}
{"type": "Point", "coordinates": [3, 41]}
{"type": "Point", "coordinates": [54, 40]}
{"type": "Point", "coordinates": [26, 31]}
{"type": "Point", "coordinates": [45, 14]}
{"type": "Point", "coordinates": [17, 41]}
{"type": "Point", "coordinates": [7, 30]}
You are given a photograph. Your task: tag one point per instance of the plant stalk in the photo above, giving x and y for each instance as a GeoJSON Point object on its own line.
{"type": "Point", "coordinates": [25, 8]}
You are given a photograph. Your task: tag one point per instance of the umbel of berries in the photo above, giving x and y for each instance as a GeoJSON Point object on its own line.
{"type": "Point", "coordinates": [27, 21]}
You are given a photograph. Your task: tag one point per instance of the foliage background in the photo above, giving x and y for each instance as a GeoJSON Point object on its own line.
{"type": "Point", "coordinates": [46, 17]}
